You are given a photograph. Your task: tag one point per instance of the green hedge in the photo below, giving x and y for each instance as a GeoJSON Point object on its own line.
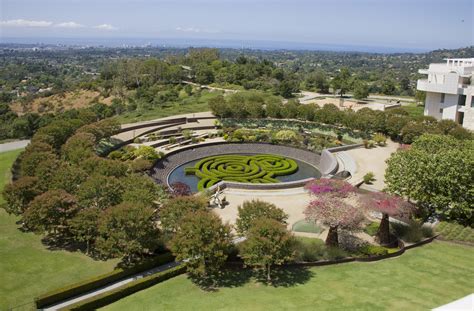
{"type": "Point", "coordinates": [372, 251]}
{"type": "Point", "coordinates": [260, 168]}
{"type": "Point", "coordinates": [76, 289]}
{"type": "Point", "coordinates": [109, 297]}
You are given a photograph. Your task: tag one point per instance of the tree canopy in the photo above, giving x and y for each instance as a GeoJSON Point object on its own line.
{"type": "Point", "coordinates": [437, 172]}
{"type": "Point", "coordinates": [251, 210]}
{"type": "Point", "coordinates": [267, 243]}
{"type": "Point", "coordinates": [203, 241]}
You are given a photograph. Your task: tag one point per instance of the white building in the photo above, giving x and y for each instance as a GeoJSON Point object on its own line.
{"type": "Point", "coordinates": [449, 91]}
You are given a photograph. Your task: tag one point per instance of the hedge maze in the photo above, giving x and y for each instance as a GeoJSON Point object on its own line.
{"type": "Point", "coordinates": [258, 169]}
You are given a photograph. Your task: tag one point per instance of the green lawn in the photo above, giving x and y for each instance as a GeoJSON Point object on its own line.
{"type": "Point", "coordinates": [413, 109]}
{"type": "Point", "coordinates": [27, 268]}
{"type": "Point", "coordinates": [422, 278]}
{"type": "Point", "coordinates": [6, 161]}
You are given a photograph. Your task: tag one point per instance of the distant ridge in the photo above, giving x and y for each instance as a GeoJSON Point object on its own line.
{"type": "Point", "coordinates": [236, 44]}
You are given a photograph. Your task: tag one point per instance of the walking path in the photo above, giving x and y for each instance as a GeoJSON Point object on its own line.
{"type": "Point", "coordinates": [14, 145]}
{"type": "Point", "coordinates": [372, 160]}
{"type": "Point", "coordinates": [112, 286]}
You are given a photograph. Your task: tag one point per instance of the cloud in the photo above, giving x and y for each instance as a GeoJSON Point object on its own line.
{"type": "Point", "coordinates": [69, 25]}
{"type": "Point", "coordinates": [188, 29]}
{"type": "Point", "coordinates": [44, 24]}
{"type": "Point", "coordinates": [25, 23]}
{"type": "Point", "coordinates": [105, 27]}
{"type": "Point", "coordinates": [195, 30]}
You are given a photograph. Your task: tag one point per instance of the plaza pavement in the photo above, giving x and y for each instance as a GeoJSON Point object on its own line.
{"type": "Point", "coordinates": [372, 160]}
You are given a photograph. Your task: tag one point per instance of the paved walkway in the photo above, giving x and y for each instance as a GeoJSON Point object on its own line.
{"type": "Point", "coordinates": [112, 286]}
{"type": "Point", "coordinates": [14, 145]}
{"type": "Point", "coordinates": [372, 160]}
{"type": "Point", "coordinates": [463, 304]}
{"type": "Point", "coordinates": [292, 201]}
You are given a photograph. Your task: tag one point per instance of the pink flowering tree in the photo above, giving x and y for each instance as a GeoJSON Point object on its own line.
{"type": "Point", "coordinates": [333, 187]}
{"type": "Point", "coordinates": [333, 212]}
{"type": "Point", "coordinates": [388, 206]}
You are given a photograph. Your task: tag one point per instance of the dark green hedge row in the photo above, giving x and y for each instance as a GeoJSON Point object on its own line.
{"type": "Point", "coordinates": [76, 289]}
{"type": "Point", "coordinates": [107, 298]}
{"type": "Point", "coordinates": [259, 168]}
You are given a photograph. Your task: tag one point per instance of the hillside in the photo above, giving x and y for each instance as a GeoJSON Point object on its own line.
{"type": "Point", "coordinates": [61, 102]}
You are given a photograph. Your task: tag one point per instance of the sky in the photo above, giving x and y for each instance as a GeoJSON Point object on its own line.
{"type": "Point", "coordinates": [406, 24]}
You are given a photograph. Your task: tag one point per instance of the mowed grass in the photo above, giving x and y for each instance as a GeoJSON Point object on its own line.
{"type": "Point", "coordinates": [421, 279]}
{"type": "Point", "coordinates": [413, 109]}
{"type": "Point", "coordinates": [27, 268]}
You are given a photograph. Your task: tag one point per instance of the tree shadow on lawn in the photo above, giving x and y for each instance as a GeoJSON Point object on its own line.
{"type": "Point", "coordinates": [58, 243]}
{"type": "Point", "coordinates": [236, 277]}
{"type": "Point", "coordinates": [226, 278]}
{"type": "Point", "coordinates": [286, 276]}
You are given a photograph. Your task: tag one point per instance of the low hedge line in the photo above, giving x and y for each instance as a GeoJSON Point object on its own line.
{"type": "Point", "coordinates": [76, 289]}
{"type": "Point", "coordinates": [109, 297]}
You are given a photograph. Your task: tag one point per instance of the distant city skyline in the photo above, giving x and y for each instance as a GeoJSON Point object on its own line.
{"type": "Point", "coordinates": [409, 25]}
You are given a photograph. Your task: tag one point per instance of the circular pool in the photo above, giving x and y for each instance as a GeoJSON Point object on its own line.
{"type": "Point", "coordinates": [172, 168]}
{"type": "Point", "coordinates": [246, 168]}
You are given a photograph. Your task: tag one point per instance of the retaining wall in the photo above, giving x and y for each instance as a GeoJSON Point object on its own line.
{"type": "Point", "coordinates": [328, 164]}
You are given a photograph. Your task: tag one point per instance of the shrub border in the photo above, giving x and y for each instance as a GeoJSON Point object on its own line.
{"type": "Point", "coordinates": [398, 253]}
{"type": "Point", "coordinates": [112, 296]}
{"type": "Point", "coordinates": [69, 291]}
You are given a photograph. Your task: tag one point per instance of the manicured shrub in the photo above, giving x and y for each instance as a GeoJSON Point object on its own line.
{"type": "Point", "coordinates": [369, 178]}
{"type": "Point", "coordinates": [259, 168]}
{"type": "Point", "coordinates": [380, 139]}
{"type": "Point", "coordinates": [455, 232]}
{"type": "Point", "coordinates": [410, 232]}
{"type": "Point", "coordinates": [309, 250]}
{"type": "Point", "coordinates": [107, 298]}
{"type": "Point", "coordinates": [115, 155]}
{"type": "Point", "coordinates": [372, 250]}
{"type": "Point", "coordinates": [333, 253]}
{"type": "Point", "coordinates": [286, 136]}
{"type": "Point", "coordinates": [427, 231]}
{"type": "Point", "coordinates": [76, 289]}
{"type": "Point", "coordinates": [147, 153]}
